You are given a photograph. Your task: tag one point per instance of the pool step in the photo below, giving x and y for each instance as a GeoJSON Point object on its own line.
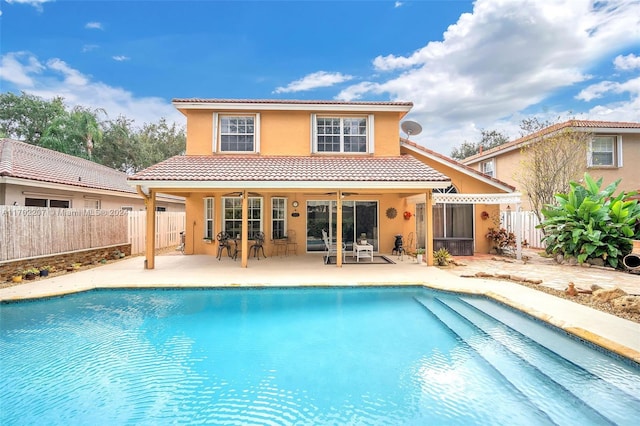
{"type": "Point", "coordinates": [525, 378]}
{"type": "Point", "coordinates": [575, 373]}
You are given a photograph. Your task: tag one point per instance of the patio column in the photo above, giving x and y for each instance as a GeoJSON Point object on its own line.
{"type": "Point", "coordinates": [245, 229]}
{"type": "Point", "coordinates": [429, 227]}
{"type": "Point", "coordinates": [518, 232]}
{"type": "Point", "coordinates": [339, 229]}
{"type": "Point", "coordinates": [150, 233]}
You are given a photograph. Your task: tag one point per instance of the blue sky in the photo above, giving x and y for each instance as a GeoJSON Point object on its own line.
{"type": "Point", "coordinates": [465, 65]}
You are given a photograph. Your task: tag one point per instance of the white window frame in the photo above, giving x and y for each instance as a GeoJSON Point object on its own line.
{"type": "Point", "coordinates": [92, 203]}
{"type": "Point", "coordinates": [484, 169]}
{"type": "Point", "coordinates": [616, 151]}
{"type": "Point", "coordinates": [216, 146]}
{"type": "Point", "coordinates": [368, 133]}
{"type": "Point", "coordinates": [209, 216]}
{"type": "Point", "coordinates": [276, 218]}
{"type": "Point", "coordinates": [239, 216]}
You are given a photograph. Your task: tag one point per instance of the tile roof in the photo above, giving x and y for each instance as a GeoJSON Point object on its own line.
{"type": "Point", "coordinates": [575, 124]}
{"type": "Point", "coordinates": [455, 164]}
{"type": "Point", "coordinates": [290, 101]}
{"type": "Point", "coordinates": [25, 161]}
{"type": "Point", "coordinates": [247, 168]}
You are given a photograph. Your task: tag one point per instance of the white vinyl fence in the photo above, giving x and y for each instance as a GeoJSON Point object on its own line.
{"type": "Point", "coordinates": [168, 228]}
{"type": "Point", "coordinates": [27, 232]}
{"type": "Point", "coordinates": [528, 223]}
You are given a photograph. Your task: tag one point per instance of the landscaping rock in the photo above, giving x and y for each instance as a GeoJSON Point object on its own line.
{"type": "Point", "coordinates": [596, 262]}
{"type": "Point", "coordinates": [627, 303]}
{"type": "Point", "coordinates": [484, 275]}
{"type": "Point", "coordinates": [606, 295]}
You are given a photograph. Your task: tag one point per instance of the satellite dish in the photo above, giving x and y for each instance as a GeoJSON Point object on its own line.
{"type": "Point", "coordinates": [411, 128]}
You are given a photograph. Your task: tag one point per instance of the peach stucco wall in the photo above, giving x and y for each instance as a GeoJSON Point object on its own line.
{"type": "Point", "coordinates": [287, 133]}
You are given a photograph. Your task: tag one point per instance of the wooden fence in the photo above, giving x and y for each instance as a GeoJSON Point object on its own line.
{"type": "Point", "coordinates": [27, 232]}
{"type": "Point", "coordinates": [528, 223]}
{"type": "Point", "coordinates": [35, 231]}
{"type": "Point", "coordinates": [168, 228]}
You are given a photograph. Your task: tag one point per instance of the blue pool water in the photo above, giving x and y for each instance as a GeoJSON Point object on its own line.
{"type": "Point", "coordinates": [388, 356]}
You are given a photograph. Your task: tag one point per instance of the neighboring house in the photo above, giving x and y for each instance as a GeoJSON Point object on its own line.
{"type": "Point", "coordinates": [613, 153]}
{"type": "Point", "coordinates": [34, 176]}
{"type": "Point", "coordinates": [285, 167]}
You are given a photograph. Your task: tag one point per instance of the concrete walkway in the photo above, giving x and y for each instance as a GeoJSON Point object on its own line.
{"type": "Point", "coordinates": [616, 334]}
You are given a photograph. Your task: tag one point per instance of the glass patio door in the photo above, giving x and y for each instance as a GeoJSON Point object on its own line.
{"type": "Point", "coordinates": [358, 218]}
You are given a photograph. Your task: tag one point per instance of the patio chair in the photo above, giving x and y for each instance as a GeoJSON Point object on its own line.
{"type": "Point", "coordinates": [291, 242]}
{"type": "Point", "coordinates": [332, 248]}
{"type": "Point", "coordinates": [223, 244]}
{"type": "Point", "coordinates": [258, 245]}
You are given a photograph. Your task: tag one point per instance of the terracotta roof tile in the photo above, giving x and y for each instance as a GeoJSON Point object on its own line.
{"type": "Point", "coordinates": [292, 102]}
{"type": "Point", "coordinates": [455, 163]}
{"type": "Point", "coordinates": [577, 124]}
{"type": "Point", "coordinates": [22, 160]}
{"type": "Point", "coordinates": [241, 168]}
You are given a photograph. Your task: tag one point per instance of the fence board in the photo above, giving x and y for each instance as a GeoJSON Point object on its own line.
{"type": "Point", "coordinates": [528, 223]}
{"type": "Point", "coordinates": [37, 231]}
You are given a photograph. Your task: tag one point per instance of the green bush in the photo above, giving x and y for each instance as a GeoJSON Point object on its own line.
{"type": "Point", "coordinates": [590, 223]}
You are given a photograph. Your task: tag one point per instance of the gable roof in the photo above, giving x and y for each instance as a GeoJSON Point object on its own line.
{"type": "Point", "coordinates": [26, 161]}
{"type": "Point", "coordinates": [450, 162]}
{"type": "Point", "coordinates": [577, 125]}
{"type": "Point", "coordinates": [240, 171]}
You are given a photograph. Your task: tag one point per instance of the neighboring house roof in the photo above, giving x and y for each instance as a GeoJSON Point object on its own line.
{"type": "Point", "coordinates": [450, 162]}
{"type": "Point", "coordinates": [26, 161]}
{"type": "Point", "coordinates": [287, 105]}
{"type": "Point", "coordinates": [238, 171]}
{"type": "Point", "coordinates": [577, 125]}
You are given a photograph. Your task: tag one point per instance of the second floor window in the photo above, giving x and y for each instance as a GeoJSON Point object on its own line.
{"type": "Point", "coordinates": [486, 167]}
{"type": "Point", "coordinates": [237, 133]}
{"type": "Point", "coordinates": [341, 134]}
{"type": "Point", "coordinates": [602, 152]}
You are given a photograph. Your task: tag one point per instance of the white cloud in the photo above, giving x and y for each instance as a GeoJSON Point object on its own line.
{"type": "Point", "coordinates": [314, 81]}
{"type": "Point", "coordinates": [504, 57]}
{"type": "Point", "coordinates": [626, 63]}
{"type": "Point", "coordinates": [35, 3]}
{"type": "Point", "coordinates": [120, 58]}
{"type": "Point", "coordinates": [18, 68]}
{"type": "Point", "coordinates": [398, 4]}
{"type": "Point", "coordinates": [93, 26]}
{"type": "Point", "coordinates": [25, 72]}
{"type": "Point", "coordinates": [89, 47]}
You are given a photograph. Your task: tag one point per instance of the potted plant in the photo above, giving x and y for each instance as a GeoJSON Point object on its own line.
{"type": "Point", "coordinates": [44, 270]}
{"type": "Point", "coordinates": [419, 255]}
{"type": "Point", "coordinates": [30, 273]}
{"type": "Point", "coordinates": [442, 257]}
{"type": "Point", "coordinates": [17, 277]}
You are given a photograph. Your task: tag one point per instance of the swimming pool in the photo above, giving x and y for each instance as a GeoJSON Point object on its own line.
{"type": "Point", "coordinates": [299, 356]}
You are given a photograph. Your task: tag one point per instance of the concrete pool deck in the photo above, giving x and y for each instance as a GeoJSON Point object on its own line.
{"type": "Point", "coordinates": [616, 334]}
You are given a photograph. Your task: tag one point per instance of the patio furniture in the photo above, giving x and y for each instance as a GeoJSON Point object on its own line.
{"type": "Point", "coordinates": [223, 244]}
{"type": "Point", "coordinates": [258, 245]}
{"type": "Point", "coordinates": [332, 248]}
{"type": "Point", "coordinates": [236, 247]}
{"type": "Point", "coordinates": [364, 251]}
{"type": "Point", "coordinates": [398, 246]}
{"type": "Point", "coordinates": [279, 246]}
{"type": "Point", "coordinates": [291, 243]}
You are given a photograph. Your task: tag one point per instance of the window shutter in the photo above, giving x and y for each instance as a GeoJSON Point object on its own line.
{"type": "Point", "coordinates": [313, 133]}
{"type": "Point", "coordinates": [214, 142]}
{"type": "Point", "coordinates": [256, 132]}
{"type": "Point", "coordinates": [371, 135]}
{"type": "Point", "coordinates": [619, 150]}
{"type": "Point", "coordinates": [590, 153]}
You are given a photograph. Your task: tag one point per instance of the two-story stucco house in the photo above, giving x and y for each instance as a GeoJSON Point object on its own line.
{"type": "Point", "coordinates": [613, 153]}
{"type": "Point", "coordinates": [286, 167]}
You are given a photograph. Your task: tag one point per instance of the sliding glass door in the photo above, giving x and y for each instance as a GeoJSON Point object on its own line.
{"type": "Point", "coordinates": [359, 218]}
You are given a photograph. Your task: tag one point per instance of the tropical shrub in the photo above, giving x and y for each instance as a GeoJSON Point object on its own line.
{"type": "Point", "coordinates": [590, 222]}
{"type": "Point", "coordinates": [501, 238]}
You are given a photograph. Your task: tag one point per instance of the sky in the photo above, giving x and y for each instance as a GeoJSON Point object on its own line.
{"type": "Point", "coordinates": [466, 66]}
